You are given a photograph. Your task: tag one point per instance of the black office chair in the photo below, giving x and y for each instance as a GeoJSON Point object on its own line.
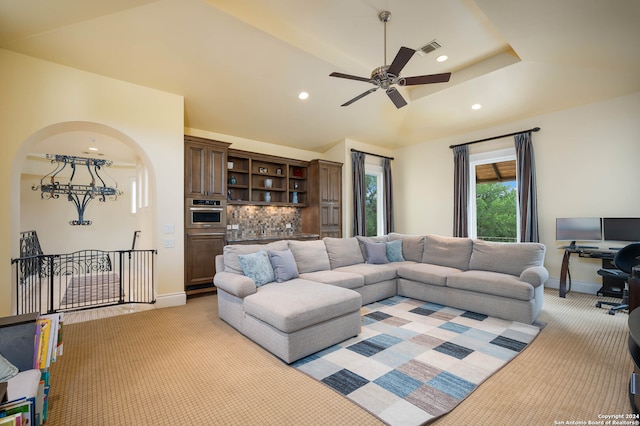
{"type": "Point", "coordinates": [625, 259]}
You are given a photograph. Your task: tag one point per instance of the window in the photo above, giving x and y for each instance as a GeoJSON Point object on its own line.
{"type": "Point", "coordinates": [374, 207]}
{"type": "Point", "coordinates": [493, 205]}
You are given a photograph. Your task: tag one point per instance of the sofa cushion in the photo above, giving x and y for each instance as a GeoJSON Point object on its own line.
{"type": "Point", "coordinates": [298, 303]}
{"type": "Point", "coordinates": [231, 262]}
{"type": "Point", "coordinates": [394, 251]}
{"type": "Point", "coordinates": [362, 240]}
{"type": "Point", "coordinates": [341, 279]}
{"type": "Point", "coordinates": [447, 251]}
{"type": "Point", "coordinates": [284, 265]}
{"type": "Point", "coordinates": [493, 283]}
{"type": "Point", "coordinates": [311, 256]}
{"type": "Point", "coordinates": [257, 267]}
{"type": "Point", "coordinates": [507, 258]}
{"type": "Point", "coordinates": [371, 273]}
{"type": "Point", "coordinates": [343, 251]}
{"type": "Point", "coordinates": [427, 273]}
{"type": "Point", "coordinates": [376, 253]}
{"type": "Point", "coordinates": [412, 245]}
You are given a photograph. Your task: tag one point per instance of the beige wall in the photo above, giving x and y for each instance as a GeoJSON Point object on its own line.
{"type": "Point", "coordinates": [112, 224]}
{"type": "Point", "coordinates": [587, 162]}
{"type": "Point", "coordinates": [39, 95]}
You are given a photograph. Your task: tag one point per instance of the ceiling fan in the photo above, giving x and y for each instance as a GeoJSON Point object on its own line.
{"type": "Point", "coordinates": [387, 76]}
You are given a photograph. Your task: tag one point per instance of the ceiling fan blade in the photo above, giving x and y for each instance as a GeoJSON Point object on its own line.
{"type": "Point", "coordinates": [360, 96]}
{"type": "Point", "coordinates": [350, 77]}
{"type": "Point", "coordinates": [396, 97]}
{"type": "Point", "coordinates": [401, 59]}
{"type": "Point", "coordinates": [427, 79]}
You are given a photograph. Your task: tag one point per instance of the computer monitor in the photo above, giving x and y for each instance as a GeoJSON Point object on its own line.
{"type": "Point", "coordinates": [578, 229]}
{"type": "Point", "coordinates": [621, 228]}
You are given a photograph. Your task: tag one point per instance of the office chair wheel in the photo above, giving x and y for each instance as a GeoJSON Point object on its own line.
{"type": "Point", "coordinates": [612, 312]}
{"type": "Point", "coordinates": [598, 305]}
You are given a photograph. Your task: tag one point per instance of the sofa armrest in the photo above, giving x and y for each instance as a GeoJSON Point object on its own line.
{"type": "Point", "coordinates": [235, 284]}
{"type": "Point", "coordinates": [535, 275]}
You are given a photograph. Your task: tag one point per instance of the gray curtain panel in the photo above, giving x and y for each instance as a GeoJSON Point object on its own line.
{"type": "Point", "coordinates": [460, 191]}
{"type": "Point", "coordinates": [526, 177]}
{"type": "Point", "coordinates": [388, 196]}
{"type": "Point", "coordinates": [357, 161]}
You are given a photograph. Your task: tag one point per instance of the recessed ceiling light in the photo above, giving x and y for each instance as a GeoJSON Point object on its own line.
{"type": "Point", "coordinates": [476, 106]}
{"type": "Point", "coordinates": [303, 95]}
{"type": "Point", "coordinates": [442, 58]}
{"type": "Point", "coordinates": [93, 149]}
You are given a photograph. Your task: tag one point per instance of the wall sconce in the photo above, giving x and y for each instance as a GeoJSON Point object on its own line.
{"type": "Point", "coordinates": [79, 194]}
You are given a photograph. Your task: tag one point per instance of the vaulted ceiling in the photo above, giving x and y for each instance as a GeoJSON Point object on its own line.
{"type": "Point", "coordinates": [241, 64]}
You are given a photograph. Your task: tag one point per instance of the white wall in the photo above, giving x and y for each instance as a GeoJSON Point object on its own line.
{"type": "Point", "coordinates": [587, 162]}
{"type": "Point", "coordinates": [38, 95]}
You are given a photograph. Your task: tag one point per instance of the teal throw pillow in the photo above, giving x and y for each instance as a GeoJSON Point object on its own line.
{"type": "Point", "coordinates": [376, 253]}
{"type": "Point", "coordinates": [257, 267]}
{"type": "Point", "coordinates": [7, 370]}
{"type": "Point", "coordinates": [284, 265]}
{"type": "Point", "coordinates": [394, 251]}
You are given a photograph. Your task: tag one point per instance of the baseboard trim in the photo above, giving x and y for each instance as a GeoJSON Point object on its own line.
{"type": "Point", "coordinates": [171, 299]}
{"type": "Point", "coordinates": [577, 286]}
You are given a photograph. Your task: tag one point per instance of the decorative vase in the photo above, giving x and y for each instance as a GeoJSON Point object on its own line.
{"type": "Point", "coordinates": [294, 199]}
{"type": "Point", "coordinates": [232, 180]}
{"type": "Point", "coordinates": [268, 183]}
{"type": "Point", "coordinates": [267, 197]}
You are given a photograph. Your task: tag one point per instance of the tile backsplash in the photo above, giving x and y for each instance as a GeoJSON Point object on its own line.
{"type": "Point", "coordinates": [263, 220]}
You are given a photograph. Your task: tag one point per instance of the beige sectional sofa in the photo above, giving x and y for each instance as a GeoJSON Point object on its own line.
{"type": "Point", "coordinates": [295, 298]}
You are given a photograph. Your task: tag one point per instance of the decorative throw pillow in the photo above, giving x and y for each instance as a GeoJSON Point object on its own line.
{"type": "Point", "coordinates": [257, 267]}
{"type": "Point", "coordinates": [394, 251]}
{"type": "Point", "coordinates": [376, 253]}
{"type": "Point", "coordinates": [7, 370]}
{"type": "Point", "coordinates": [284, 265]}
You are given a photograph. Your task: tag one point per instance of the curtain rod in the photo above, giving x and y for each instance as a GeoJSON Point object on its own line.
{"type": "Point", "coordinates": [535, 129]}
{"type": "Point", "coordinates": [375, 155]}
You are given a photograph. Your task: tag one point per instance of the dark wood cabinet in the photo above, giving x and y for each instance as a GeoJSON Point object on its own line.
{"type": "Point", "coordinates": [201, 249]}
{"type": "Point", "coordinates": [205, 168]}
{"type": "Point", "coordinates": [323, 215]}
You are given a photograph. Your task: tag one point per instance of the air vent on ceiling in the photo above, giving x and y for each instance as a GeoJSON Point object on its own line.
{"type": "Point", "coordinates": [429, 47]}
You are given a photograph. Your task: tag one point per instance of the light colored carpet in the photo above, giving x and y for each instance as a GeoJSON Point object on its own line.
{"type": "Point", "coordinates": [183, 365]}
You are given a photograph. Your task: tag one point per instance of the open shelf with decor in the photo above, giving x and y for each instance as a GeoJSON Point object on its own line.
{"type": "Point", "coordinates": [260, 179]}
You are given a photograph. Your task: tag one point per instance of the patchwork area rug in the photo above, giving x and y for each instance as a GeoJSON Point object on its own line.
{"type": "Point", "coordinates": [415, 361]}
{"type": "Point", "coordinates": [92, 288]}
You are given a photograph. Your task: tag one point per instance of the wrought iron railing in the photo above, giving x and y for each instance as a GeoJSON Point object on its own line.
{"type": "Point", "coordinates": [83, 279]}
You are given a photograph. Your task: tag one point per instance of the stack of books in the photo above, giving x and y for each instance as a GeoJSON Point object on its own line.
{"type": "Point", "coordinates": [47, 344]}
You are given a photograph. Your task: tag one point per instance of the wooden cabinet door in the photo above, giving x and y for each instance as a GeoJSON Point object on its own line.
{"type": "Point", "coordinates": [195, 170]}
{"type": "Point", "coordinates": [216, 182]}
{"type": "Point", "coordinates": [200, 260]}
{"type": "Point", "coordinates": [204, 171]}
{"type": "Point", "coordinates": [335, 184]}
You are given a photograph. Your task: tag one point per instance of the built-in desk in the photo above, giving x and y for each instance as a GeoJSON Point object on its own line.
{"type": "Point", "coordinates": [608, 284]}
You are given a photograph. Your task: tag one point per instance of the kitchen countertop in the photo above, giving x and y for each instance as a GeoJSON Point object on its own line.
{"type": "Point", "coordinates": [270, 237]}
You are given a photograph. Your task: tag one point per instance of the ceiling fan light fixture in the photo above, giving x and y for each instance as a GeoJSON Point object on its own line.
{"type": "Point", "coordinates": [388, 75]}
